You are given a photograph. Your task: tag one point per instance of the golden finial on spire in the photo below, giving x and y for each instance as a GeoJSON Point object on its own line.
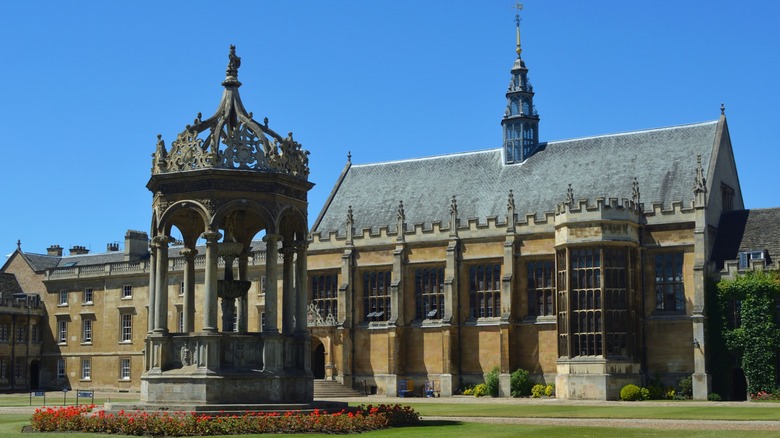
{"type": "Point", "coordinates": [518, 6]}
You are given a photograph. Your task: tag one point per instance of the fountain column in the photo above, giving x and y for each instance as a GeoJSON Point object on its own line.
{"type": "Point", "coordinates": [210, 301]}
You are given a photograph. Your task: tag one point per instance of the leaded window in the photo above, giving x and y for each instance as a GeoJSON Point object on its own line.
{"type": "Point", "coordinates": [3, 332]}
{"type": "Point", "coordinates": [324, 294]}
{"type": "Point", "coordinates": [669, 287]}
{"type": "Point", "coordinates": [429, 293]}
{"type": "Point", "coordinates": [541, 288]}
{"type": "Point", "coordinates": [485, 291]}
{"type": "Point", "coordinates": [376, 295]}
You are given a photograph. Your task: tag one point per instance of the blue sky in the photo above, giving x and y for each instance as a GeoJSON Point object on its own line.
{"type": "Point", "coordinates": [85, 87]}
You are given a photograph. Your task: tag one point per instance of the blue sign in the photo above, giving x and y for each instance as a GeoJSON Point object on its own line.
{"type": "Point", "coordinates": [85, 394]}
{"type": "Point", "coordinates": [39, 393]}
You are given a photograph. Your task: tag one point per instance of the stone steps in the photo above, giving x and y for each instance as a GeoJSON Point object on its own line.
{"type": "Point", "coordinates": [325, 389]}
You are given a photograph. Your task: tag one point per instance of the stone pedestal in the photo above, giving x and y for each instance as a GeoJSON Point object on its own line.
{"type": "Point", "coordinates": [594, 378]}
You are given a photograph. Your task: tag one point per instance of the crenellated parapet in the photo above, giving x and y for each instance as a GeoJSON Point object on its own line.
{"type": "Point", "coordinates": [731, 268]}
{"type": "Point", "coordinates": [605, 219]}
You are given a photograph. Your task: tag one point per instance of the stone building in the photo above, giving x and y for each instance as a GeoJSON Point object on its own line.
{"type": "Point", "coordinates": [584, 261]}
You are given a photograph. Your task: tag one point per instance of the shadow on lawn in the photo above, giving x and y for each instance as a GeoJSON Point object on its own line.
{"type": "Point", "coordinates": [425, 423]}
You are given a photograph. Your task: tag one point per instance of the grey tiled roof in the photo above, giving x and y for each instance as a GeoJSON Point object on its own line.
{"type": "Point", "coordinates": [8, 285]}
{"type": "Point", "coordinates": [663, 161]}
{"type": "Point", "coordinates": [41, 262]}
{"type": "Point", "coordinates": [748, 230]}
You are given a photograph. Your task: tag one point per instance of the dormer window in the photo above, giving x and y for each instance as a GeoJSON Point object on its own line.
{"type": "Point", "coordinates": [746, 256]}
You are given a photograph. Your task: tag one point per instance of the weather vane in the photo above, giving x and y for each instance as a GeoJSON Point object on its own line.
{"type": "Point", "coordinates": [518, 7]}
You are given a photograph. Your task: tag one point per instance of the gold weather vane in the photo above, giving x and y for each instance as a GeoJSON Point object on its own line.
{"type": "Point", "coordinates": [519, 7]}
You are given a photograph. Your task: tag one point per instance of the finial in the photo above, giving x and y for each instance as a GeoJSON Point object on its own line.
{"type": "Point", "coordinates": [19, 244]}
{"type": "Point", "coordinates": [350, 218]}
{"type": "Point", "coordinates": [231, 74]}
{"type": "Point", "coordinates": [265, 121]}
{"type": "Point", "coordinates": [570, 196]}
{"type": "Point", "coordinates": [722, 109]}
{"type": "Point", "coordinates": [453, 206]}
{"type": "Point", "coordinates": [401, 213]}
{"type": "Point", "coordinates": [200, 116]}
{"type": "Point", "coordinates": [251, 115]}
{"type": "Point", "coordinates": [349, 157]}
{"type": "Point", "coordinates": [635, 191]}
{"type": "Point", "coordinates": [511, 202]}
{"type": "Point", "coordinates": [518, 6]}
{"type": "Point", "coordinates": [700, 184]}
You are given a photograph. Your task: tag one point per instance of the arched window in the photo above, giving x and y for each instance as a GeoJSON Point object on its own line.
{"type": "Point", "coordinates": [526, 108]}
{"type": "Point", "coordinates": [515, 107]}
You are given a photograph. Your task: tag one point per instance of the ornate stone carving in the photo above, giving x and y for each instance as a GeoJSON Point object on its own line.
{"type": "Point", "coordinates": [232, 139]}
{"type": "Point", "coordinates": [185, 355]}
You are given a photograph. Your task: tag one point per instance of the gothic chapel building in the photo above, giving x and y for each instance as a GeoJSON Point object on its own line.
{"type": "Point", "coordinates": [582, 261]}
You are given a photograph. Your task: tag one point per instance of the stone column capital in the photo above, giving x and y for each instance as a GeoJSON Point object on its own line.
{"type": "Point", "coordinates": [272, 237]}
{"type": "Point", "coordinates": [158, 241]}
{"type": "Point", "coordinates": [189, 253]}
{"type": "Point", "coordinates": [211, 236]}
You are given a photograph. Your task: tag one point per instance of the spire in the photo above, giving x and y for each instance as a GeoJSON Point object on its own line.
{"type": "Point", "coordinates": [519, 7]}
{"type": "Point", "coordinates": [520, 122]}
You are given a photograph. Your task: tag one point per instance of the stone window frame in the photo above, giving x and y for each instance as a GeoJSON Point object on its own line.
{"type": "Point", "coordinates": [484, 290]}
{"type": "Point", "coordinates": [376, 294]}
{"type": "Point", "coordinates": [86, 369]}
{"type": "Point", "coordinates": [125, 326]}
{"type": "Point", "coordinates": [125, 369]}
{"type": "Point", "coordinates": [20, 368]}
{"type": "Point", "coordinates": [62, 331]}
{"type": "Point", "coordinates": [428, 289]}
{"type": "Point", "coordinates": [663, 284]}
{"type": "Point", "coordinates": [5, 333]}
{"type": "Point", "coordinates": [324, 290]}
{"type": "Point", "coordinates": [88, 296]}
{"type": "Point", "coordinates": [4, 368]}
{"type": "Point", "coordinates": [35, 335]}
{"type": "Point", "coordinates": [127, 291]}
{"type": "Point", "coordinates": [61, 371]}
{"type": "Point", "coordinates": [547, 289]}
{"type": "Point", "coordinates": [21, 334]}
{"type": "Point", "coordinates": [87, 333]}
{"type": "Point", "coordinates": [62, 299]}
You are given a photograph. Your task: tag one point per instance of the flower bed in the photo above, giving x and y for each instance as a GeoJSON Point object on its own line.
{"type": "Point", "coordinates": [79, 419]}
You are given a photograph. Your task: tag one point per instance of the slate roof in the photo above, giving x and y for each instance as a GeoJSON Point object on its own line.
{"type": "Point", "coordinates": [42, 262]}
{"type": "Point", "coordinates": [9, 285]}
{"type": "Point", "coordinates": [748, 230]}
{"type": "Point", "coordinates": [663, 161]}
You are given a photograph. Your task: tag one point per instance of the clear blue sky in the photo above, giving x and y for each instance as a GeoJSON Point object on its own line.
{"type": "Point", "coordinates": [85, 87]}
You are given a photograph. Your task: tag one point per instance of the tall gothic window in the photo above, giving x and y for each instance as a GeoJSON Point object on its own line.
{"type": "Point", "coordinates": [598, 295]}
{"type": "Point", "coordinates": [485, 291]}
{"type": "Point", "coordinates": [376, 295]}
{"type": "Point", "coordinates": [324, 294]}
{"type": "Point", "coordinates": [669, 288]}
{"type": "Point", "coordinates": [429, 293]}
{"type": "Point", "coordinates": [541, 288]}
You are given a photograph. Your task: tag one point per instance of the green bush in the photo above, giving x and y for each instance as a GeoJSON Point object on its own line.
{"type": "Point", "coordinates": [491, 382]}
{"type": "Point", "coordinates": [684, 388]}
{"type": "Point", "coordinates": [549, 390]}
{"type": "Point", "coordinates": [480, 390]}
{"type": "Point", "coordinates": [714, 396]}
{"type": "Point", "coordinates": [631, 392]}
{"type": "Point", "coordinates": [519, 384]}
{"type": "Point", "coordinates": [656, 391]}
{"type": "Point", "coordinates": [537, 391]}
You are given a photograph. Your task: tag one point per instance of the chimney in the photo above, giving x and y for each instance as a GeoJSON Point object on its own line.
{"type": "Point", "coordinates": [78, 250]}
{"type": "Point", "coordinates": [54, 250]}
{"type": "Point", "coordinates": [136, 245]}
{"type": "Point", "coordinates": [112, 247]}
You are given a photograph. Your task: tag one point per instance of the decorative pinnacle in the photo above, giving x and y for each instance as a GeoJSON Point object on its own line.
{"type": "Point", "coordinates": [722, 109]}
{"type": "Point", "coordinates": [231, 74]}
{"type": "Point", "coordinates": [518, 6]}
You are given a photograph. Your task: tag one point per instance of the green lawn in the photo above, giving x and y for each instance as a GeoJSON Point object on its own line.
{"type": "Point", "coordinates": [681, 411]}
{"type": "Point", "coordinates": [11, 425]}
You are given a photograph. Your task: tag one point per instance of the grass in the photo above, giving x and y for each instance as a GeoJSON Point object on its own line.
{"type": "Point", "coordinates": [55, 398]}
{"type": "Point", "coordinates": [677, 412]}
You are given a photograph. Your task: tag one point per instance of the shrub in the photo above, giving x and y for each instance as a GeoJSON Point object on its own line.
{"type": "Point", "coordinates": [537, 391]}
{"type": "Point", "coordinates": [631, 392]}
{"type": "Point", "coordinates": [491, 382]}
{"type": "Point", "coordinates": [656, 391]}
{"type": "Point", "coordinates": [519, 384]}
{"type": "Point", "coordinates": [714, 396]}
{"type": "Point", "coordinates": [549, 390]}
{"type": "Point", "coordinates": [645, 393]}
{"type": "Point", "coordinates": [469, 390]}
{"type": "Point", "coordinates": [670, 393]}
{"type": "Point", "coordinates": [480, 390]}
{"type": "Point", "coordinates": [685, 388]}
